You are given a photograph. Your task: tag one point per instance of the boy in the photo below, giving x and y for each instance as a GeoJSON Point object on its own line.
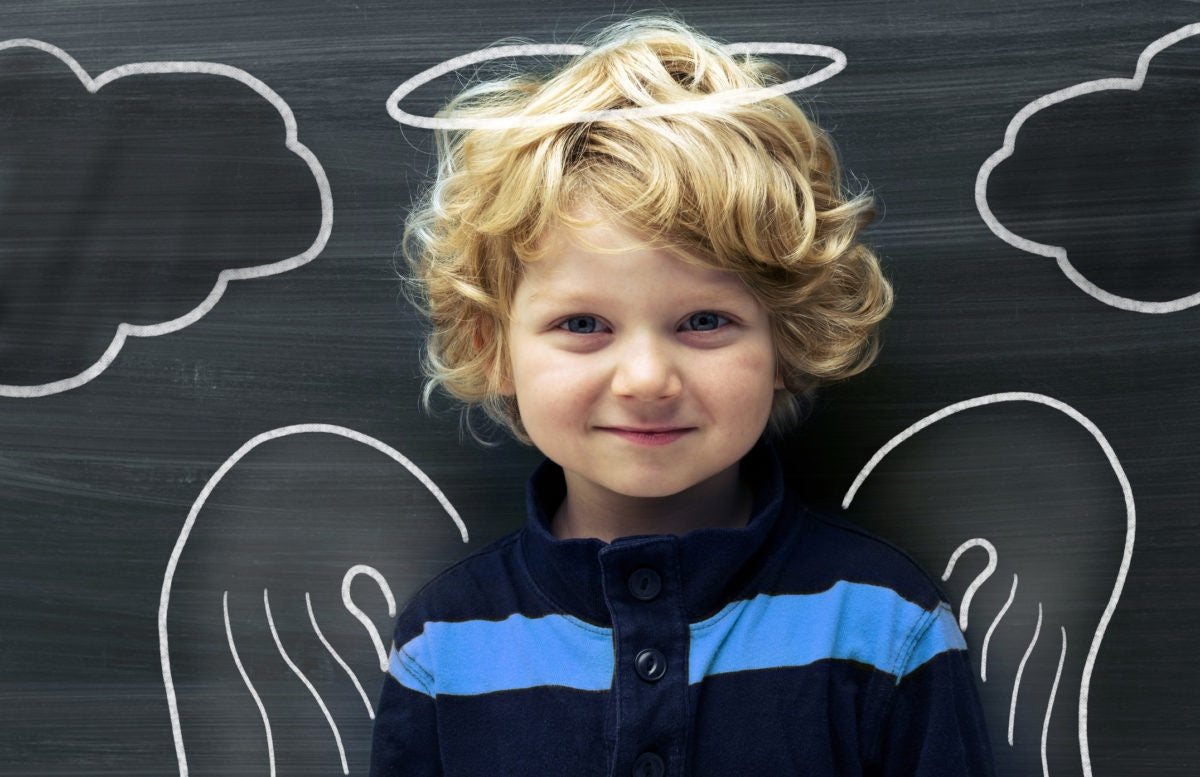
{"type": "Point", "coordinates": [641, 298]}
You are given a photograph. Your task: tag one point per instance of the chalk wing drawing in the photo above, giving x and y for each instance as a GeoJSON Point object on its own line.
{"type": "Point", "coordinates": [278, 600]}
{"type": "Point", "coordinates": [1113, 185]}
{"type": "Point", "coordinates": [1050, 516]}
{"type": "Point", "coordinates": [134, 201]}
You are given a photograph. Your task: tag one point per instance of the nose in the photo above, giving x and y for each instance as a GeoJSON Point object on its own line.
{"type": "Point", "coordinates": [647, 369]}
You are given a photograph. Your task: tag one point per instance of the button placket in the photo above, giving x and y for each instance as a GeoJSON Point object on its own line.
{"type": "Point", "coordinates": [651, 638]}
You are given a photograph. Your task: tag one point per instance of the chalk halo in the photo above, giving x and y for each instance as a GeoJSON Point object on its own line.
{"type": "Point", "coordinates": [733, 97]}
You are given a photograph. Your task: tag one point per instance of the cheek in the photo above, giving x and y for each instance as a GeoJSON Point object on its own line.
{"type": "Point", "coordinates": [550, 389]}
{"type": "Point", "coordinates": [748, 382]}
{"type": "Point", "coordinates": [758, 364]}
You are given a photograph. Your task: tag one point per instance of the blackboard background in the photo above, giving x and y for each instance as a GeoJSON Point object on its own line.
{"type": "Point", "coordinates": [98, 192]}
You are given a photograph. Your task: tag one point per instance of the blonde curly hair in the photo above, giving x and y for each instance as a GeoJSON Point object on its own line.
{"type": "Point", "coordinates": [754, 189]}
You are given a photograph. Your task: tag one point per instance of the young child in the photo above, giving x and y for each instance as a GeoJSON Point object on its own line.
{"type": "Point", "coordinates": [641, 298]}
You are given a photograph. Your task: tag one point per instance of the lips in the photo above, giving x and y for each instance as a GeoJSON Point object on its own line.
{"type": "Point", "coordinates": [648, 436]}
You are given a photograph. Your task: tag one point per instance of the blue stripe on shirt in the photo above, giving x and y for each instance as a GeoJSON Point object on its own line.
{"type": "Point", "coordinates": [942, 635]}
{"type": "Point", "coordinates": [479, 656]}
{"type": "Point", "coordinates": [852, 621]}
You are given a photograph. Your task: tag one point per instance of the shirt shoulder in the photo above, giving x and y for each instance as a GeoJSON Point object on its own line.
{"type": "Point", "coordinates": [829, 549]}
{"type": "Point", "coordinates": [481, 585]}
{"type": "Point", "coordinates": [884, 610]}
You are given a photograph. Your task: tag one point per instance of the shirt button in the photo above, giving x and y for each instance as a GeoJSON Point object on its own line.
{"type": "Point", "coordinates": [645, 584]}
{"type": "Point", "coordinates": [649, 765]}
{"type": "Point", "coordinates": [651, 665]}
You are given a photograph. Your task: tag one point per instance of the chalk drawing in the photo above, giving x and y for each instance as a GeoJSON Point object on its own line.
{"type": "Point", "coordinates": [337, 737]}
{"type": "Point", "coordinates": [338, 658]}
{"type": "Point", "coordinates": [368, 624]}
{"type": "Point", "coordinates": [732, 97]}
{"type": "Point", "coordinates": [1062, 659]}
{"type": "Point", "coordinates": [987, 639]}
{"type": "Point", "coordinates": [1012, 707]}
{"type": "Point", "coordinates": [1130, 524]}
{"type": "Point", "coordinates": [1006, 150]}
{"type": "Point", "coordinates": [262, 711]}
{"type": "Point", "coordinates": [126, 330]}
{"type": "Point", "coordinates": [979, 580]}
{"type": "Point", "coordinates": [186, 531]}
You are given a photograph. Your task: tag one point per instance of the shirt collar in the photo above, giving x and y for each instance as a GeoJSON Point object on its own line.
{"type": "Point", "coordinates": [714, 565]}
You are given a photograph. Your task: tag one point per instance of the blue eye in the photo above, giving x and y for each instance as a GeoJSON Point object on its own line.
{"type": "Point", "coordinates": [705, 321]}
{"type": "Point", "coordinates": [581, 325]}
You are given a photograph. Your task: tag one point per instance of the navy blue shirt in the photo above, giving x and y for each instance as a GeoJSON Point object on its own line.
{"type": "Point", "coordinates": [797, 644]}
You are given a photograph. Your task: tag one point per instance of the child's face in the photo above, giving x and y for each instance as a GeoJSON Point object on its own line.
{"type": "Point", "coordinates": [636, 372]}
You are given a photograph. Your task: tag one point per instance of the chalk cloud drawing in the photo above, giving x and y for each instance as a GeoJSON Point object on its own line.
{"type": "Point", "coordinates": [837, 62]}
{"type": "Point", "coordinates": [1006, 150]}
{"type": "Point", "coordinates": [970, 621]}
{"type": "Point", "coordinates": [125, 330]}
{"type": "Point", "coordinates": [274, 598]}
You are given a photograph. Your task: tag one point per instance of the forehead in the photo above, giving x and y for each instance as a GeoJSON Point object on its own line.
{"type": "Point", "coordinates": [606, 256]}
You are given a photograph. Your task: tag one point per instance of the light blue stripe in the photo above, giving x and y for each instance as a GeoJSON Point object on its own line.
{"type": "Point", "coordinates": [942, 635]}
{"type": "Point", "coordinates": [472, 657]}
{"type": "Point", "coordinates": [868, 624]}
{"type": "Point", "coordinates": [852, 621]}
{"type": "Point", "coordinates": [408, 674]}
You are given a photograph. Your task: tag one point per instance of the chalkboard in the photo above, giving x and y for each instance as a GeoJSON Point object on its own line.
{"type": "Point", "coordinates": [217, 484]}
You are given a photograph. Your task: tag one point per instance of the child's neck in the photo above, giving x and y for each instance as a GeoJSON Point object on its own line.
{"type": "Point", "coordinates": [592, 511]}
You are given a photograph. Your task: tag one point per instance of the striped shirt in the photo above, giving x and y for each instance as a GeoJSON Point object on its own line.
{"type": "Point", "coordinates": [796, 645]}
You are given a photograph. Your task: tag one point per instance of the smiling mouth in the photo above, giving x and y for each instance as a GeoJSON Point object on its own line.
{"type": "Point", "coordinates": [648, 437]}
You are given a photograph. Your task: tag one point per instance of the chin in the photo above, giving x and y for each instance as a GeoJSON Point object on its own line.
{"type": "Point", "coordinates": [650, 488]}
{"type": "Point", "coordinates": [651, 492]}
